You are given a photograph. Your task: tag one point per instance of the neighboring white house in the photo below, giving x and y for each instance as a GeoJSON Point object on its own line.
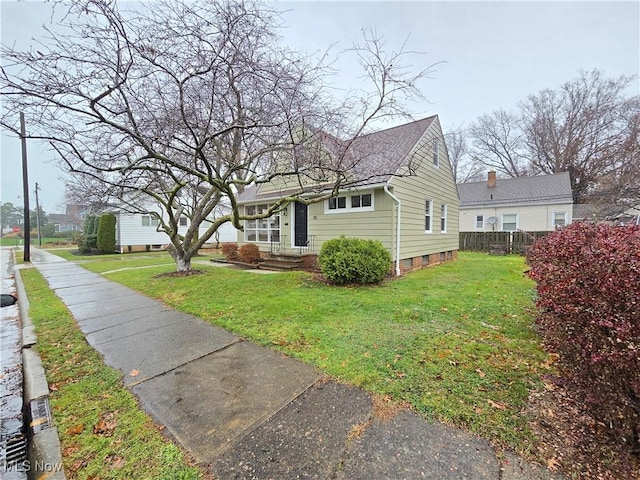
{"type": "Point", "coordinates": [136, 232]}
{"type": "Point", "coordinates": [531, 204]}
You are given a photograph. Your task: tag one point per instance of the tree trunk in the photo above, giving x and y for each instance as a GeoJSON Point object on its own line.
{"type": "Point", "coordinates": [183, 263]}
{"type": "Point", "coordinates": [182, 258]}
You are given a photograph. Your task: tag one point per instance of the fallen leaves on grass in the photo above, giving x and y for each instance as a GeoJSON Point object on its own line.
{"type": "Point", "coordinates": [115, 462]}
{"type": "Point", "coordinates": [75, 429]}
{"type": "Point", "coordinates": [106, 425]}
{"type": "Point", "coordinates": [498, 405]}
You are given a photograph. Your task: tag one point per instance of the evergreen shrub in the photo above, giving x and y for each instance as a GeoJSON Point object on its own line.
{"type": "Point", "coordinates": [354, 260]}
{"type": "Point", "coordinates": [106, 234]}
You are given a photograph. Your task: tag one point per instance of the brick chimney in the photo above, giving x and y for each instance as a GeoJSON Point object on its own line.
{"type": "Point", "coordinates": [491, 179]}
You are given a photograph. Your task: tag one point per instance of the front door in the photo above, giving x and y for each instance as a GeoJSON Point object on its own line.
{"type": "Point", "coordinates": [300, 224]}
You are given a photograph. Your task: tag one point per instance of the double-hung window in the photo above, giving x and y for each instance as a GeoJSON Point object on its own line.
{"type": "Point", "coordinates": [443, 218]}
{"type": "Point", "coordinates": [149, 221]}
{"type": "Point", "coordinates": [509, 222]}
{"type": "Point", "coordinates": [559, 219]}
{"type": "Point", "coordinates": [480, 222]}
{"type": "Point", "coordinates": [428, 216]}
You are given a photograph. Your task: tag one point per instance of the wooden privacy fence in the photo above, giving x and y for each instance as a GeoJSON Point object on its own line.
{"type": "Point", "coordinates": [498, 242]}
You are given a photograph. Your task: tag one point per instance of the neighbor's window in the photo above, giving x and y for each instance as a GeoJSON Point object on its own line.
{"type": "Point", "coordinates": [261, 229]}
{"type": "Point", "coordinates": [509, 222]}
{"type": "Point", "coordinates": [479, 222]}
{"type": "Point", "coordinates": [149, 221]}
{"type": "Point", "coordinates": [436, 152]}
{"type": "Point", "coordinates": [443, 218]}
{"type": "Point", "coordinates": [428, 215]}
{"type": "Point", "coordinates": [559, 219]}
{"type": "Point", "coordinates": [183, 221]}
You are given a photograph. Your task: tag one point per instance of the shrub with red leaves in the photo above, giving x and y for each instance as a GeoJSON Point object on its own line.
{"type": "Point", "coordinates": [230, 251]}
{"type": "Point", "coordinates": [588, 283]}
{"type": "Point", "coordinates": [249, 253]}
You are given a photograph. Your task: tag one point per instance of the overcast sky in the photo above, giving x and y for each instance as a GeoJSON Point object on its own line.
{"type": "Point", "coordinates": [493, 55]}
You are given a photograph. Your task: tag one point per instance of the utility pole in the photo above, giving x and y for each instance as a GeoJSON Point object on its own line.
{"type": "Point", "coordinates": [25, 191]}
{"type": "Point", "coordinates": [38, 216]}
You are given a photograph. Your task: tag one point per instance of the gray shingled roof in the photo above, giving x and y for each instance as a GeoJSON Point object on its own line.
{"type": "Point", "coordinates": [540, 190]}
{"type": "Point", "coordinates": [381, 154]}
{"type": "Point", "coordinates": [377, 156]}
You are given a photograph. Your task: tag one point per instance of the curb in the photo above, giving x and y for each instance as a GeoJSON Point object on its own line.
{"type": "Point", "coordinates": [44, 455]}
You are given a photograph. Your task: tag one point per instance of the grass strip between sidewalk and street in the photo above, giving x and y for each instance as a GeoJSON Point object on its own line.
{"type": "Point", "coordinates": [103, 432]}
{"type": "Point", "coordinates": [455, 341]}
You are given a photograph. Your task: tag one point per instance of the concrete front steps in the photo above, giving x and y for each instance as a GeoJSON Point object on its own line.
{"type": "Point", "coordinates": [282, 262]}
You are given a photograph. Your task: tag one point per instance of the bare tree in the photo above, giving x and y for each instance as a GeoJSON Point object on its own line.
{"type": "Point", "coordinates": [465, 168]}
{"type": "Point", "coordinates": [587, 127]}
{"type": "Point", "coordinates": [176, 107]}
{"type": "Point", "coordinates": [498, 143]}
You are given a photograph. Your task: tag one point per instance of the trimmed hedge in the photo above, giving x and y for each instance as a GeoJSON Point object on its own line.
{"type": "Point", "coordinates": [588, 284]}
{"type": "Point", "coordinates": [354, 260]}
{"type": "Point", "coordinates": [106, 236]}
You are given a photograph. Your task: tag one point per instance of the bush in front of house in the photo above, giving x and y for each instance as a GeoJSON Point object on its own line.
{"type": "Point", "coordinates": [354, 260]}
{"type": "Point", "coordinates": [230, 251]}
{"type": "Point", "coordinates": [90, 235]}
{"type": "Point", "coordinates": [588, 284]}
{"type": "Point", "coordinates": [249, 253]}
{"type": "Point", "coordinates": [106, 236]}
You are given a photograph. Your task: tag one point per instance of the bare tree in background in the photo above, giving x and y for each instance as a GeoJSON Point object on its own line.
{"type": "Point", "coordinates": [586, 128]}
{"type": "Point", "coordinates": [175, 107]}
{"type": "Point", "coordinates": [498, 144]}
{"type": "Point", "coordinates": [465, 168]}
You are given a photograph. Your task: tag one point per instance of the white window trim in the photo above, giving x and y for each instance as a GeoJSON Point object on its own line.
{"type": "Point", "coordinates": [430, 214]}
{"type": "Point", "coordinates": [502, 222]}
{"type": "Point", "coordinates": [268, 229]}
{"type": "Point", "coordinates": [153, 221]}
{"type": "Point", "coordinates": [444, 208]}
{"type": "Point", "coordinates": [553, 218]}
{"type": "Point", "coordinates": [348, 208]}
{"type": "Point", "coordinates": [475, 222]}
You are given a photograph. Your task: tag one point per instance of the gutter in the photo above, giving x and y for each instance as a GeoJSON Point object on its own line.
{"type": "Point", "coordinates": [44, 452]}
{"type": "Point", "coordinates": [398, 207]}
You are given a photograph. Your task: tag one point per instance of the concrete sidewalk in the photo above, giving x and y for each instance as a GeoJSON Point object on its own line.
{"type": "Point", "coordinates": [248, 412]}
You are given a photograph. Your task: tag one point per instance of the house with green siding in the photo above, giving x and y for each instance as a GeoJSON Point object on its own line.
{"type": "Point", "coordinates": [404, 195]}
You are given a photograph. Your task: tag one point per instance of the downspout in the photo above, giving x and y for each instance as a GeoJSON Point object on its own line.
{"type": "Point", "coordinates": [398, 207]}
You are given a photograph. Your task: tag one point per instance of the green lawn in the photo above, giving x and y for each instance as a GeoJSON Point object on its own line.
{"type": "Point", "coordinates": [454, 341]}
{"type": "Point", "coordinates": [103, 432]}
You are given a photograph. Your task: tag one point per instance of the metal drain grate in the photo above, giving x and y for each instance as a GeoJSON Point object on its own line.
{"type": "Point", "coordinates": [39, 415]}
{"type": "Point", "coordinates": [15, 451]}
